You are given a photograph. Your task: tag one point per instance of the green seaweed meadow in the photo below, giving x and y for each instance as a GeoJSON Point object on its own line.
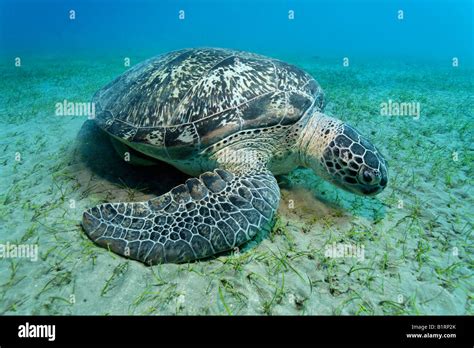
{"type": "Point", "coordinates": [416, 236]}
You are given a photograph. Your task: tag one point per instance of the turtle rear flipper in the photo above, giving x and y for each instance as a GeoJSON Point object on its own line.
{"type": "Point", "coordinates": [198, 219]}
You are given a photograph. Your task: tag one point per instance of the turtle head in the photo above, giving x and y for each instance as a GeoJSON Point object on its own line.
{"type": "Point", "coordinates": [341, 155]}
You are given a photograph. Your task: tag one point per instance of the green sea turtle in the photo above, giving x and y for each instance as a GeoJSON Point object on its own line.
{"type": "Point", "coordinates": [234, 119]}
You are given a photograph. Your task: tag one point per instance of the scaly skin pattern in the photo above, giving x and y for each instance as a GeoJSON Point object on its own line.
{"type": "Point", "coordinates": [341, 155]}
{"type": "Point", "coordinates": [205, 216]}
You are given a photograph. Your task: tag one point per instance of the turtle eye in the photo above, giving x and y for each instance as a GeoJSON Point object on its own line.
{"type": "Point", "coordinates": [367, 176]}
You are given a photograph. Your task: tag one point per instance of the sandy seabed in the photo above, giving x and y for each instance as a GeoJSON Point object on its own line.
{"type": "Point", "coordinates": [412, 244]}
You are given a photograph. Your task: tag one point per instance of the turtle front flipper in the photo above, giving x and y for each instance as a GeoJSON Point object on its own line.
{"type": "Point", "coordinates": [198, 219]}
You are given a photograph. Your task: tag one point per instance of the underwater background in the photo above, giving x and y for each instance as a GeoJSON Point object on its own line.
{"type": "Point", "coordinates": [413, 242]}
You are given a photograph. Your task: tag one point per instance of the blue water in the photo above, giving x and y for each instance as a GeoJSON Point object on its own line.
{"type": "Point", "coordinates": [429, 30]}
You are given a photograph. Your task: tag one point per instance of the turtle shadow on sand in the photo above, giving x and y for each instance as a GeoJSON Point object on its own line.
{"type": "Point", "coordinates": [104, 173]}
